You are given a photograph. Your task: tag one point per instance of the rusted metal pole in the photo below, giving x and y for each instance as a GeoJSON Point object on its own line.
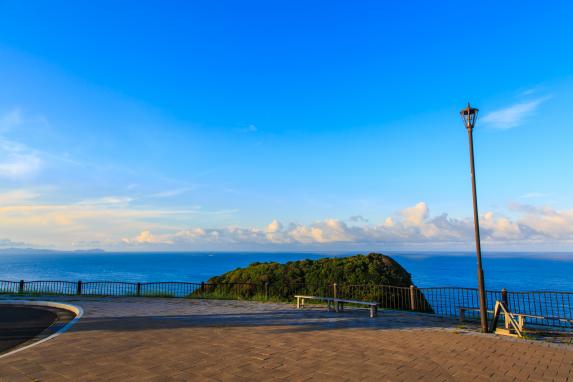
{"type": "Point", "coordinates": [481, 283]}
{"type": "Point", "coordinates": [504, 296]}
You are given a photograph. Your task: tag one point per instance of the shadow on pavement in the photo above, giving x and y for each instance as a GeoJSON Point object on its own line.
{"type": "Point", "coordinates": [280, 320]}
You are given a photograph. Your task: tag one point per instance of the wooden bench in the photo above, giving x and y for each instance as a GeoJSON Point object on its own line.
{"type": "Point", "coordinates": [514, 322]}
{"type": "Point", "coordinates": [520, 322]}
{"type": "Point", "coordinates": [339, 307]}
{"type": "Point", "coordinates": [338, 303]}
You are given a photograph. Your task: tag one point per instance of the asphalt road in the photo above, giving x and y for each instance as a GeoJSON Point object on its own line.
{"type": "Point", "coordinates": [19, 324]}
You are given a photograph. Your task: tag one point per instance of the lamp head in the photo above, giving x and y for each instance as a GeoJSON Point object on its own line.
{"type": "Point", "coordinates": [469, 116]}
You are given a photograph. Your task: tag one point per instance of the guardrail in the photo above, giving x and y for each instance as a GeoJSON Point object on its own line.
{"type": "Point", "coordinates": [549, 308]}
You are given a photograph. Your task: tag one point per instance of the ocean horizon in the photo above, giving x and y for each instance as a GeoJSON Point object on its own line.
{"type": "Point", "coordinates": [516, 271]}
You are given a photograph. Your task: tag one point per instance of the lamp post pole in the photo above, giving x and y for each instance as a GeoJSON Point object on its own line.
{"type": "Point", "coordinates": [469, 116]}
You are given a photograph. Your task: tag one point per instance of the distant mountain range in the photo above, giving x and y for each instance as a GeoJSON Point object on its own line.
{"type": "Point", "coordinates": [39, 251]}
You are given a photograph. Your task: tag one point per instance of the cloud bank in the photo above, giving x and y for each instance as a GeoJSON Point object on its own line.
{"type": "Point", "coordinates": [115, 223]}
{"type": "Point", "coordinates": [412, 227]}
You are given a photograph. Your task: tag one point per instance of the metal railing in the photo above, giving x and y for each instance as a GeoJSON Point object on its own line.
{"type": "Point", "coordinates": [147, 289]}
{"type": "Point", "coordinates": [544, 308]}
{"type": "Point", "coordinates": [553, 309]}
{"type": "Point", "coordinates": [447, 301]}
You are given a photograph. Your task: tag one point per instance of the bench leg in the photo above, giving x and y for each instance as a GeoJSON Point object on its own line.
{"type": "Point", "coordinates": [298, 302]}
{"type": "Point", "coordinates": [521, 323]}
{"type": "Point", "coordinates": [341, 308]}
{"type": "Point", "coordinates": [329, 305]}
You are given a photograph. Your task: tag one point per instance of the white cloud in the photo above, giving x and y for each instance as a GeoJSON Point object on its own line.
{"type": "Point", "coordinates": [146, 237]}
{"type": "Point", "coordinates": [528, 92]}
{"type": "Point", "coordinates": [546, 222]}
{"type": "Point", "coordinates": [274, 232]}
{"type": "Point", "coordinates": [533, 195]}
{"type": "Point", "coordinates": [327, 231]}
{"type": "Point", "coordinates": [7, 243]}
{"type": "Point", "coordinates": [415, 215]}
{"type": "Point", "coordinates": [358, 219]}
{"type": "Point", "coordinates": [274, 227]}
{"type": "Point", "coordinates": [26, 216]}
{"type": "Point", "coordinates": [173, 192]}
{"type": "Point", "coordinates": [249, 129]}
{"type": "Point", "coordinates": [11, 119]}
{"type": "Point", "coordinates": [192, 233]}
{"type": "Point", "coordinates": [108, 200]}
{"type": "Point", "coordinates": [70, 214]}
{"type": "Point", "coordinates": [17, 161]}
{"type": "Point", "coordinates": [17, 196]}
{"type": "Point", "coordinates": [513, 115]}
{"type": "Point", "coordinates": [500, 228]}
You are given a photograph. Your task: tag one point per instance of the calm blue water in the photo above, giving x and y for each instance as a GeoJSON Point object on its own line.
{"type": "Point", "coordinates": [514, 271]}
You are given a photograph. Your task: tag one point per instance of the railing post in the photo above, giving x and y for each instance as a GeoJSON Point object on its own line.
{"type": "Point", "coordinates": [334, 290]}
{"type": "Point", "coordinates": [202, 289]}
{"type": "Point", "coordinates": [21, 288]}
{"type": "Point", "coordinates": [138, 289]}
{"type": "Point", "coordinates": [79, 289]}
{"type": "Point", "coordinates": [412, 297]}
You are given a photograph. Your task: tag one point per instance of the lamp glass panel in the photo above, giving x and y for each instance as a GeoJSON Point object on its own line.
{"type": "Point", "coordinates": [465, 116]}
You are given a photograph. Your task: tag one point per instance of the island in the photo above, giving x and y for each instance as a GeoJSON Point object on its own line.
{"type": "Point", "coordinates": [372, 277]}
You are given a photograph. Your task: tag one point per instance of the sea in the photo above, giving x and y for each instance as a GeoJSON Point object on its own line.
{"type": "Point", "coordinates": [527, 271]}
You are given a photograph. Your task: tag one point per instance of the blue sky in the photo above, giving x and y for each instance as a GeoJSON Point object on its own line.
{"type": "Point", "coordinates": [284, 125]}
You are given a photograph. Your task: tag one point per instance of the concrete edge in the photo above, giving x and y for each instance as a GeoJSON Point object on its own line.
{"type": "Point", "coordinates": [78, 311]}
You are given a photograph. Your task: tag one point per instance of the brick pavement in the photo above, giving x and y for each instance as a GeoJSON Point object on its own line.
{"type": "Point", "coordinates": [149, 339]}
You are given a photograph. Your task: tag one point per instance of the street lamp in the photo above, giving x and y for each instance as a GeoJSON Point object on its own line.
{"type": "Point", "coordinates": [469, 116]}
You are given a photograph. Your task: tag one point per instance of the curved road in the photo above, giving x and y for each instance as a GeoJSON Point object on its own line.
{"type": "Point", "coordinates": [19, 324]}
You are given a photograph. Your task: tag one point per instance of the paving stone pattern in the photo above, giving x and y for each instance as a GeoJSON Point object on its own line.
{"type": "Point", "coordinates": [153, 339]}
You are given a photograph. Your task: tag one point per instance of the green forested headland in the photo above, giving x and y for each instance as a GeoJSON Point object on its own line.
{"type": "Point", "coordinates": [374, 268]}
